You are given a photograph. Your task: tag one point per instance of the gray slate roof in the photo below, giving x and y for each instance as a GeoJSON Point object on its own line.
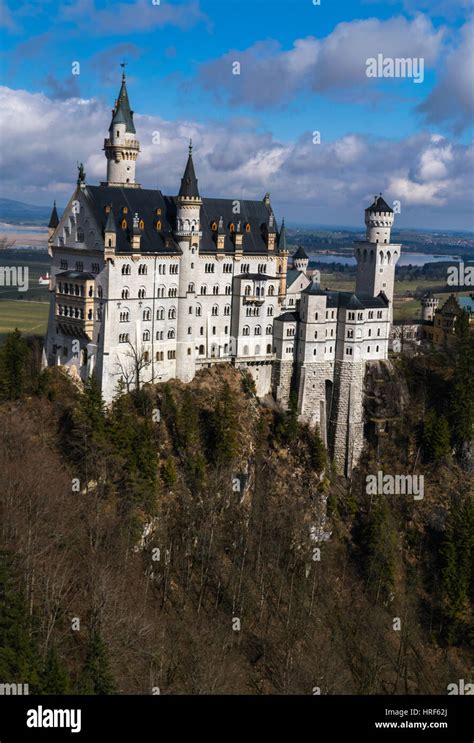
{"type": "Point", "coordinates": [122, 113]}
{"type": "Point", "coordinates": [349, 300]}
{"type": "Point", "coordinates": [379, 205]}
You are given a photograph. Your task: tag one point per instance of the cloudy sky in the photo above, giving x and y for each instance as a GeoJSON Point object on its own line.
{"type": "Point", "coordinates": [302, 70]}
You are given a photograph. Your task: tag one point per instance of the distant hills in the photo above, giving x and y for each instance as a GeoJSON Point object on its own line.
{"type": "Point", "coordinates": [17, 212]}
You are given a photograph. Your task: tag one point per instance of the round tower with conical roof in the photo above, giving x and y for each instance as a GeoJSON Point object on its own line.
{"type": "Point", "coordinates": [122, 146]}
{"type": "Point", "coordinates": [300, 260]}
{"type": "Point", "coordinates": [187, 234]}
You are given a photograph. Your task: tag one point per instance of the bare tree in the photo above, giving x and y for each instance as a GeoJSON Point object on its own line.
{"type": "Point", "coordinates": [6, 242]}
{"type": "Point", "coordinates": [131, 367]}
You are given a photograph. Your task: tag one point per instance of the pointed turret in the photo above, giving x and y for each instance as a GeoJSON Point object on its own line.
{"type": "Point", "coordinates": [122, 147]}
{"type": "Point", "coordinates": [189, 182]}
{"type": "Point", "coordinates": [282, 247]}
{"type": "Point", "coordinates": [122, 113]}
{"type": "Point", "coordinates": [110, 224]}
{"type": "Point", "coordinates": [54, 219]}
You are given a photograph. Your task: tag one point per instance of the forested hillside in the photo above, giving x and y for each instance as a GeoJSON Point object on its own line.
{"type": "Point", "coordinates": [192, 539]}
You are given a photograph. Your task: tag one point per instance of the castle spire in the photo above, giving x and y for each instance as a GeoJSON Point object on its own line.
{"type": "Point", "coordinates": [189, 182]}
{"type": "Point", "coordinates": [54, 219]}
{"type": "Point", "coordinates": [122, 146]}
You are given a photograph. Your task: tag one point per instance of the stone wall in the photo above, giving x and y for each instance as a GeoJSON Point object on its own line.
{"type": "Point", "coordinates": [312, 408]}
{"type": "Point", "coordinates": [281, 382]}
{"type": "Point", "coordinates": [346, 428]}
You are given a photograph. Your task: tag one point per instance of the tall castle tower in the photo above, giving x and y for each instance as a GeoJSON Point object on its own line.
{"type": "Point", "coordinates": [121, 146]}
{"type": "Point", "coordinates": [188, 234]}
{"type": "Point", "coordinates": [376, 257]}
{"type": "Point", "coordinates": [429, 305]}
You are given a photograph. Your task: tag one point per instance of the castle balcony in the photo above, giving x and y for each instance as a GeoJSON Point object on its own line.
{"type": "Point", "coordinates": [253, 299]}
{"type": "Point", "coordinates": [124, 145]}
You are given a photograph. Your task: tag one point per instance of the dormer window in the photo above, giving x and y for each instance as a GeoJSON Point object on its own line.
{"type": "Point", "coordinates": [141, 224]}
{"type": "Point", "coordinates": [158, 211]}
{"type": "Point", "coordinates": [214, 226]}
{"type": "Point", "coordinates": [124, 224]}
{"type": "Point", "coordinates": [158, 224]}
{"type": "Point", "coordinates": [232, 227]}
{"type": "Point", "coordinates": [247, 227]}
{"type": "Point", "coordinates": [125, 210]}
{"type": "Point", "coordinates": [107, 209]}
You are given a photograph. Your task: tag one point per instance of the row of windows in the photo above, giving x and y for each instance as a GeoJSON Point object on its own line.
{"type": "Point", "coordinates": [349, 350]}
{"type": "Point", "coordinates": [257, 330]}
{"type": "Point", "coordinates": [259, 291]}
{"type": "Point", "coordinates": [64, 265]}
{"type": "Point", "coordinates": [143, 269]}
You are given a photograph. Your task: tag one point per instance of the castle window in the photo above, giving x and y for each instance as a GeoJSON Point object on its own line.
{"type": "Point", "coordinates": [158, 211]}
{"type": "Point", "coordinates": [95, 268]}
{"type": "Point", "coordinates": [124, 316]}
{"type": "Point", "coordinates": [351, 316]}
{"type": "Point", "coordinates": [123, 338]}
{"type": "Point", "coordinates": [146, 335]}
{"type": "Point", "coordinates": [160, 313]}
{"type": "Point", "coordinates": [124, 224]}
{"type": "Point", "coordinates": [247, 227]}
{"type": "Point", "coordinates": [63, 265]}
{"type": "Point", "coordinates": [246, 330]}
{"type": "Point", "coordinates": [316, 316]}
{"type": "Point", "coordinates": [377, 348]}
{"type": "Point", "coordinates": [215, 289]}
{"type": "Point", "coordinates": [247, 290]}
{"type": "Point", "coordinates": [172, 313]}
{"type": "Point", "coordinates": [190, 330]}
{"type": "Point", "coordinates": [125, 293]}
{"type": "Point", "coordinates": [198, 310]}
{"type": "Point", "coordinates": [314, 351]}
{"type": "Point", "coordinates": [245, 268]}
{"type": "Point", "coordinates": [258, 330]}
{"type": "Point", "coordinates": [215, 310]}
{"type": "Point", "coordinates": [201, 350]}
{"type": "Point", "coordinates": [190, 287]}
{"type": "Point", "coordinates": [213, 330]}
{"type": "Point", "coordinates": [171, 334]}
{"type": "Point", "coordinates": [378, 332]}
{"type": "Point", "coordinates": [368, 349]}
{"type": "Point", "coordinates": [79, 266]}
{"type": "Point", "coordinates": [147, 314]}
{"type": "Point", "coordinates": [271, 290]}
{"type": "Point", "coordinates": [214, 226]}
{"type": "Point", "coordinates": [80, 235]}
{"type": "Point", "coordinates": [126, 269]}
{"type": "Point", "coordinates": [159, 335]}
{"type": "Point", "coordinates": [124, 210]}
{"type": "Point", "coordinates": [269, 311]}
{"type": "Point", "coordinates": [141, 293]}
{"type": "Point", "coordinates": [142, 269]}
{"type": "Point", "coordinates": [201, 330]}
{"type": "Point", "coordinates": [172, 292]}
{"type": "Point", "coordinates": [172, 354]}
{"type": "Point", "coordinates": [203, 289]}
{"type": "Point", "coordinates": [158, 225]}
{"type": "Point", "coordinates": [227, 309]}
{"type": "Point", "coordinates": [348, 351]}
{"type": "Point", "coordinates": [360, 315]}
{"type": "Point", "coordinates": [174, 268]}
{"type": "Point", "coordinates": [316, 334]}
{"type": "Point", "coordinates": [379, 314]}
{"type": "Point", "coordinates": [350, 333]}
{"type": "Point", "coordinates": [269, 330]}
{"type": "Point", "coordinates": [228, 289]}
{"type": "Point", "coordinates": [269, 348]}
{"type": "Point", "coordinates": [162, 268]}
{"type": "Point", "coordinates": [159, 355]}
{"type": "Point", "coordinates": [232, 227]}
{"type": "Point", "coordinates": [371, 315]}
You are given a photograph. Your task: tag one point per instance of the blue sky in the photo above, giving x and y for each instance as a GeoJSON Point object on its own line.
{"type": "Point", "coordinates": [302, 69]}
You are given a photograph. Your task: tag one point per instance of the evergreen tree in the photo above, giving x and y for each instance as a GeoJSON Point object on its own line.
{"type": "Point", "coordinates": [96, 677]}
{"type": "Point", "coordinates": [456, 565]}
{"type": "Point", "coordinates": [13, 360]}
{"type": "Point", "coordinates": [55, 678]}
{"type": "Point", "coordinates": [436, 437]}
{"type": "Point", "coordinates": [462, 389]}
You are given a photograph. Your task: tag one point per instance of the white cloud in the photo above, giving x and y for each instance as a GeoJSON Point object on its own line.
{"type": "Point", "coordinates": [333, 65]}
{"type": "Point", "coordinates": [321, 183]}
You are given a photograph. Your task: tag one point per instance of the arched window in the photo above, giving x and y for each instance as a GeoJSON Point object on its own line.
{"type": "Point", "coordinates": [146, 335]}
{"type": "Point", "coordinates": [215, 289]}
{"type": "Point", "coordinates": [214, 226]}
{"type": "Point", "coordinates": [190, 330]}
{"type": "Point", "coordinates": [158, 225]}
{"type": "Point", "coordinates": [215, 310]}
{"type": "Point", "coordinates": [269, 347]}
{"type": "Point", "coordinates": [269, 330]}
{"type": "Point", "coordinates": [271, 290]}
{"type": "Point", "coordinates": [247, 227]}
{"type": "Point", "coordinates": [126, 269]}
{"type": "Point", "coordinates": [270, 311]}
{"type": "Point", "coordinates": [247, 290]}
{"type": "Point", "coordinates": [124, 224]}
{"type": "Point", "coordinates": [172, 313]}
{"type": "Point", "coordinates": [201, 350]}
{"type": "Point", "coordinates": [191, 287]}
{"type": "Point", "coordinates": [142, 293]}
{"type": "Point", "coordinates": [246, 350]}
{"type": "Point", "coordinates": [171, 334]}
{"type": "Point", "coordinates": [161, 291]}
{"type": "Point", "coordinates": [198, 310]}
{"type": "Point", "coordinates": [100, 292]}
{"type": "Point", "coordinates": [160, 313]}
{"type": "Point", "coordinates": [142, 269]}
{"type": "Point", "coordinates": [172, 292]}
{"type": "Point", "coordinates": [227, 309]}
{"type": "Point", "coordinates": [147, 314]}
{"type": "Point", "coordinates": [246, 330]}
{"type": "Point", "coordinates": [125, 293]}
{"type": "Point", "coordinates": [203, 289]}
{"type": "Point", "coordinates": [232, 227]}
{"type": "Point", "coordinates": [124, 316]}
{"type": "Point", "coordinates": [228, 289]}
{"type": "Point", "coordinates": [258, 330]}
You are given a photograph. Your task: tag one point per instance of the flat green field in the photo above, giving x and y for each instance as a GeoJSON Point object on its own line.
{"type": "Point", "coordinates": [29, 317]}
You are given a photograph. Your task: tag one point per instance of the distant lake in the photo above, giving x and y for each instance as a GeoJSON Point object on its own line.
{"type": "Point", "coordinates": [406, 259]}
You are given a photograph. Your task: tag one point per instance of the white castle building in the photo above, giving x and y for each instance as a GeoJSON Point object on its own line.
{"type": "Point", "coordinates": [151, 287]}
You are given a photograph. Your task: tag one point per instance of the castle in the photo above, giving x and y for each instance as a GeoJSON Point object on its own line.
{"type": "Point", "coordinates": [147, 287]}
